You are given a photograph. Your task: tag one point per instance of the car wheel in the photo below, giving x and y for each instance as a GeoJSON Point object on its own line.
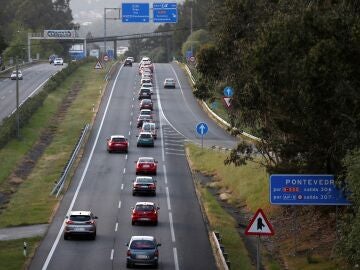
{"type": "Point", "coordinates": [134, 193]}
{"type": "Point", "coordinates": [154, 193]}
{"type": "Point", "coordinates": [155, 223]}
{"type": "Point", "coordinates": [128, 265]}
{"type": "Point", "coordinates": [66, 237]}
{"type": "Point", "coordinates": [93, 236]}
{"type": "Point", "coordinates": [132, 222]}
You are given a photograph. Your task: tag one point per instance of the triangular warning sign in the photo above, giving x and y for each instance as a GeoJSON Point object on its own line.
{"type": "Point", "coordinates": [227, 101]}
{"type": "Point", "coordinates": [98, 65]}
{"type": "Point", "coordinates": [259, 225]}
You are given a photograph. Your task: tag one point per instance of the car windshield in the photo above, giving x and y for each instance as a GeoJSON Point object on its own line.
{"type": "Point", "coordinates": [144, 207]}
{"type": "Point", "coordinates": [145, 112]}
{"type": "Point", "coordinates": [146, 101]}
{"type": "Point", "coordinates": [142, 244]}
{"type": "Point", "coordinates": [80, 218]}
{"type": "Point", "coordinates": [118, 139]}
{"type": "Point", "coordinates": [169, 80]}
{"type": "Point", "coordinates": [145, 90]}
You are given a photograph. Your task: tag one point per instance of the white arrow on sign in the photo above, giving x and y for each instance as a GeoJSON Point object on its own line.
{"type": "Point", "coordinates": [202, 128]}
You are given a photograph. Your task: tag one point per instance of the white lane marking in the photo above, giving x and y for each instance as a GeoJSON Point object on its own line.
{"type": "Point", "coordinates": [129, 133]}
{"type": "Point", "coordinates": [176, 144]}
{"type": "Point", "coordinates": [182, 93]}
{"type": "Point", "coordinates": [122, 186]}
{"type": "Point", "coordinates": [168, 199]}
{"type": "Point", "coordinates": [130, 123]}
{"type": "Point", "coordinates": [176, 259]}
{"type": "Point", "coordinates": [124, 171]}
{"type": "Point", "coordinates": [173, 149]}
{"type": "Point", "coordinates": [176, 154]}
{"type": "Point", "coordinates": [116, 226]}
{"type": "Point", "coordinates": [119, 205]}
{"type": "Point", "coordinates": [165, 175]}
{"type": "Point", "coordinates": [172, 227]}
{"type": "Point", "coordinates": [126, 157]}
{"type": "Point", "coordinates": [131, 114]}
{"type": "Point", "coordinates": [51, 253]}
{"type": "Point", "coordinates": [132, 105]}
{"type": "Point", "coordinates": [162, 114]}
{"type": "Point", "coordinates": [112, 254]}
{"type": "Point", "coordinates": [133, 98]}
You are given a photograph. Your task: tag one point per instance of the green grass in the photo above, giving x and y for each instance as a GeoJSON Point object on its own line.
{"type": "Point", "coordinates": [223, 223]}
{"type": "Point", "coordinates": [11, 253]}
{"type": "Point", "coordinates": [37, 187]}
{"type": "Point", "coordinates": [248, 184]}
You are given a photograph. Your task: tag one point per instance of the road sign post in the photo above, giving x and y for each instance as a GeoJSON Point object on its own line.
{"type": "Point", "coordinates": [259, 225]}
{"type": "Point", "coordinates": [202, 129]}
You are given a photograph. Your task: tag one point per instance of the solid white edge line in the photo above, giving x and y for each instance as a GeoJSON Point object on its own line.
{"type": "Point", "coordinates": [112, 254]}
{"type": "Point", "coordinates": [51, 253]}
{"type": "Point", "coordinates": [165, 176]}
{"type": "Point", "coordinates": [176, 259]}
{"type": "Point", "coordinates": [172, 227]}
{"type": "Point", "coordinates": [168, 198]}
{"type": "Point", "coordinates": [116, 226]}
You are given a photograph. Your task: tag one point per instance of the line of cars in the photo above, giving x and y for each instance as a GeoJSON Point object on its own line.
{"type": "Point", "coordinates": [141, 249]}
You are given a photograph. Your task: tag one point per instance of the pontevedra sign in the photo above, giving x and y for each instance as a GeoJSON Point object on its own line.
{"type": "Point", "coordinates": [59, 34]}
{"type": "Point", "coordinates": [304, 189]}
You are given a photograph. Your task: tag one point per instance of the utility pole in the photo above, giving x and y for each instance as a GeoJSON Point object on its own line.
{"type": "Point", "coordinates": [17, 100]}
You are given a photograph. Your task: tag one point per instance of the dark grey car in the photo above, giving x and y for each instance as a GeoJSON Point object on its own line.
{"type": "Point", "coordinates": [81, 223]}
{"type": "Point", "coordinates": [142, 250]}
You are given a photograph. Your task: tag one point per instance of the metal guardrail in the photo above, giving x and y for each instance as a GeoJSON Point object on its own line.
{"type": "Point", "coordinates": [60, 183]}
{"type": "Point", "coordinates": [215, 115]}
{"type": "Point", "coordinates": [220, 251]}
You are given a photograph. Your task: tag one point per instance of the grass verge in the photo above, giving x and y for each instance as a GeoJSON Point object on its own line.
{"type": "Point", "coordinates": [11, 253]}
{"type": "Point", "coordinates": [36, 188]}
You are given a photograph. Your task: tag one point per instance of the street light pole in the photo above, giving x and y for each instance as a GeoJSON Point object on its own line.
{"type": "Point", "coordinates": [17, 100]}
{"type": "Point", "coordinates": [191, 27]}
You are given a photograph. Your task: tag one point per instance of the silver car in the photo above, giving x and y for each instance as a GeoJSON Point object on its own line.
{"type": "Point", "coordinates": [80, 223]}
{"type": "Point", "coordinates": [169, 83]}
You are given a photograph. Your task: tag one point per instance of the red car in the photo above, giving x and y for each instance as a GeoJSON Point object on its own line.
{"type": "Point", "coordinates": [117, 143]}
{"type": "Point", "coordinates": [146, 165]}
{"type": "Point", "coordinates": [145, 212]}
{"type": "Point", "coordinates": [146, 104]}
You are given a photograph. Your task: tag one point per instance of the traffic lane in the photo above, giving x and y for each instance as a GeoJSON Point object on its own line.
{"type": "Point", "coordinates": [33, 78]}
{"type": "Point", "coordinates": [100, 191]}
{"type": "Point", "coordinates": [189, 225]}
{"type": "Point", "coordinates": [47, 244]}
{"type": "Point", "coordinates": [183, 111]}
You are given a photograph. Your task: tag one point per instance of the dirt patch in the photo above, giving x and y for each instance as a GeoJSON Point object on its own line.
{"type": "Point", "coordinates": [27, 164]}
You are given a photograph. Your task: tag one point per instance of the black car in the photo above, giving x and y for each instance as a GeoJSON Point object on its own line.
{"type": "Point", "coordinates": [144, 93]}
{"type": "Point", "coordinates": [128, 62]}
{"type": "Point", "coordinates": [144, 185]}
{"type": "Point", "coordinates": [142, 250]}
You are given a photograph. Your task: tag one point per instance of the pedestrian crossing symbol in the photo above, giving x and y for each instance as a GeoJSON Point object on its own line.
{"type": "Point", "coordinates": [259, 225]}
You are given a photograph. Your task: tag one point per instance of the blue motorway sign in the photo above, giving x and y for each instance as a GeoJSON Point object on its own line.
{"type": "Point", "coordinates": [228, 91]}
{"type": "Point", "coordinates": [165, 12]}
{"type": "Point", "coordinates": [303, 189]}
{"type": "Point", "coordinates": [135, 12]}
{"type": "Point", "coordinates": [202, 128]}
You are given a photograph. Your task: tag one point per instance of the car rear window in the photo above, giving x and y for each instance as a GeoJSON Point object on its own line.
{"type": "Point", "coordinates": [142, 244]}
{"type": "Point", "coordinates": [80, 218]}
{"type": "Point", "coordinates": [146, 136]}
{"type": "Point", "coordinates": [144, 180]}
{"type": "Point", "coordinates": [118, 140]}
{"type": "Point", "coordinates": [144, 208]}
{"type": "Point", "coordinates": [146, 160]}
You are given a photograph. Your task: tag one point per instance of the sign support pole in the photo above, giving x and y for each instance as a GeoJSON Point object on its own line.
{"type": "Point", "coordinates": [258, 253]}
{"type": "Point", "coordinates": [202, 141]}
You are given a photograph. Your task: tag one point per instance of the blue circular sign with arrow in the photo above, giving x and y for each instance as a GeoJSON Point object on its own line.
{"type": "Point", "coordinates": [228, 91]}
{"type": "Point", "coordinates": [202, 128]}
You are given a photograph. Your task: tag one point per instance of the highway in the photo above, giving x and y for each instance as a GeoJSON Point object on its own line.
{"type": "Point", "coordinates": [102, 182]}
{"type": "Point", "coordinates": [34, 77]}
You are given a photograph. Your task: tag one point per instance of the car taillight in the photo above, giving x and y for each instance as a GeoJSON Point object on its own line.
{"type": "Point", "coordinates": [128, 253]}
{"type": "Point", "coordinates": [156, 253]}
{"type": "Point", "coordinates": [69, 222]}
{"type": "Point", "coordinates": [152, 186]}
{"type": "Point", "coordinates": [90, 222]}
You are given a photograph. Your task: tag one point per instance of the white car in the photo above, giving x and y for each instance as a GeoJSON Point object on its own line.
{"type": "Point", "coordinates": [169, 83]}
{"type": "Point", "coordinates": [13, 75]}
{"type": "Point", "coordinates": [58, 61]}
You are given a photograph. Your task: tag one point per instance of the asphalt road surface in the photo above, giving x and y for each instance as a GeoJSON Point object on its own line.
{"type": "Point", "coordinates": [102, 182]}
{"type": "Point", "coordinates": [34, 77]}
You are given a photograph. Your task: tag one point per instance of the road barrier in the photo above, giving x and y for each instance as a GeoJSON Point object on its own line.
{"type": "Point", "coordinates": [60, 183]}
{"type": "Point", "coordinates": [220, 251]}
